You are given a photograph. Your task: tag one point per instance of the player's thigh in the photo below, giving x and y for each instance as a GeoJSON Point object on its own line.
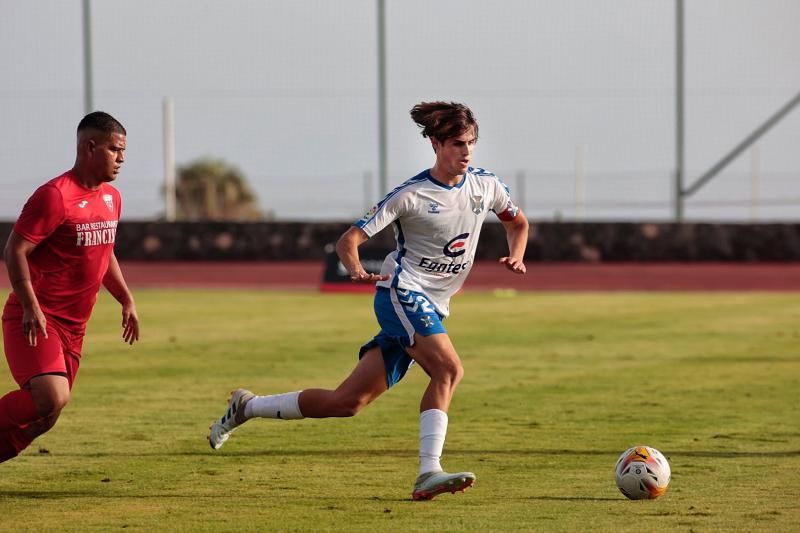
{"type": "Point", "coordinates": [367, 381]}
{"type": "Point", "coordinates": [26, 361]}
{"type": "Point", "coordinates": [435, 353]}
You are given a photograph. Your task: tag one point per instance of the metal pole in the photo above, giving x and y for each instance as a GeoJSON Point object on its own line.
{"type": "Point", "coordinates": [755, 171]}
{"type": "Point", "coordinates": [679, 111]}
{"type": "Point", "coordinates": [383, 187]}
{"type": "Point", "coordinates": [739, 148]}
{"type": "Point", "coordinates": [579, 188]}
{"type": "Point", "coordinates": [88, 103]}
{"type": "Point", "coordinates": [170, 204]}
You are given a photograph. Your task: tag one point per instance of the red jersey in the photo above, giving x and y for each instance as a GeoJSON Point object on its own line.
{"type": "Point", "coordinates": [74, 229]}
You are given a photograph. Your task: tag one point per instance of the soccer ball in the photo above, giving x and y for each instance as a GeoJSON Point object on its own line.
{"type": "Point", "coordinates": [642, 473]}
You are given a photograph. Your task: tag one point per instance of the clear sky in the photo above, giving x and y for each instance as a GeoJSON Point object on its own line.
{"type": "Point", "coordinates": [286, 91]}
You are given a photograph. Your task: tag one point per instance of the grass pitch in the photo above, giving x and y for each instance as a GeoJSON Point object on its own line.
{"type": "Point", "coordinates": [556, 387]}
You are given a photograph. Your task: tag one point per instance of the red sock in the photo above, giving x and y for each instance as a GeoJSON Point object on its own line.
{"type": "Point", "coordinates": [17, 410]}
{"type": "Point", "coordinates": [7, 450]}
{"type": "Point", "coordinates": [12, 442]}
{"type": "Point", "coordinates": [18, 438]}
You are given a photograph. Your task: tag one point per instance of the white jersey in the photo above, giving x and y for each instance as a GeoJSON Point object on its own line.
{"type": "Point", "coordinates": [437, 228]}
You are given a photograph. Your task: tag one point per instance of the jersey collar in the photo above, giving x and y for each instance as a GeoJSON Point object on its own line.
{"type": "Point", "coordinates": [444, 186]}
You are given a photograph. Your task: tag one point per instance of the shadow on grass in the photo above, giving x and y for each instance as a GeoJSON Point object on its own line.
{"type": "Point", "coordinates": [359, 453]}
{"type": "Point", "coordinates": [573, 498]}
{"type": "Point", "coordinates": [58, 495]}
{"type": "Point", "coordinates": [72, 495]}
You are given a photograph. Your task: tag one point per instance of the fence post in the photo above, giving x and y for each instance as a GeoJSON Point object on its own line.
{"type": "Point", "coordinates": [755, 179]}
{"type": "Point", "coordinates": [170, 205]}
{"type": "Point", "coordinates": [580, 200]}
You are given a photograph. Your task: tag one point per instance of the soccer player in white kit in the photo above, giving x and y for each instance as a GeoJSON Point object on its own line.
{"type": "Point", "coordinates": [437, 218]}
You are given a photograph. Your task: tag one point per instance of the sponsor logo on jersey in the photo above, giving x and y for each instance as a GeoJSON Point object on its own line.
{"type": "Point", "coordinates": [109, 200]}
{"type": "Point", "coordinates": [426, 321]}
{"type": "Point", "coordinates": [96, 233]}
{"type": "Point", "coordinates": [433, 207]}
{"type": "Point", "coordinates": [442, 268]}
{"type": "Point", "coordinates": [456, 246]}
{"type": "Point", "coordinates": [477, 204]}
{"type": "Point", "coordinates": [82, 204]}
{"type": "Point", "coordinates": [369, 214]}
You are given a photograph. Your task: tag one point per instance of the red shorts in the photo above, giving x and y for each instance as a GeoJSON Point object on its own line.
{"type": "Point", "coordinates": [59, 353]}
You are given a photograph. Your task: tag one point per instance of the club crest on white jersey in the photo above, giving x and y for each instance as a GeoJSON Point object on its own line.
{"type": "Point", "coordinates": [477, 204]}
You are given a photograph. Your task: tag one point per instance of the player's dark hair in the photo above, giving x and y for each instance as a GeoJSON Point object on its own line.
{"type": "Point", "coordinates": [102, 122]}
{"type": "Point", "coordinates": [443, 120]}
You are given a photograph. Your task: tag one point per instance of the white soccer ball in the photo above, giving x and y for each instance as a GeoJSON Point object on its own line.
{"type": "Point", "coordinates": [642, 473]}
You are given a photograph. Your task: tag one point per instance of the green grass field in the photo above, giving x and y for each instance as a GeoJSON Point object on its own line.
{"type": "Point", "coordinates": [556, 387]}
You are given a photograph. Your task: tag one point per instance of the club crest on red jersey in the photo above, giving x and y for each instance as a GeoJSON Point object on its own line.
{"type": "Point", "coordinates": [109, 200]}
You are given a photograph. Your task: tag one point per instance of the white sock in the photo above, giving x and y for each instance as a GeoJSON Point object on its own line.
{"type": "Point", "coordinates": [285, 406]}
{"type": "Point", "coordinates": [432, 430]}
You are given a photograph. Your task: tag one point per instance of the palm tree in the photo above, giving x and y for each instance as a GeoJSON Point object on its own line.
{"type": "Point", "coordinates": [211, 189]}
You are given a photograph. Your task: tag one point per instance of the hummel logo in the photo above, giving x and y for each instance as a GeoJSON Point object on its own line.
{"type": "Point", "coordinates": [82, 204]}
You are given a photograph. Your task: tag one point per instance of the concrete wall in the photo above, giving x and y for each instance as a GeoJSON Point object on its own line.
{"type": "Point", "coordinates": [593, 242]}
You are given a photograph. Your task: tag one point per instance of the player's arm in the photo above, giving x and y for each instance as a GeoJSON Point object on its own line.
{"type": "Point", "coordinates": [16, 253]}
{"type": "Point", "coordinates": [517, 236]}
{"type": "Point", "coordinates": [115, 283]}
{"type": "Point", "coordinates": [347, 250]}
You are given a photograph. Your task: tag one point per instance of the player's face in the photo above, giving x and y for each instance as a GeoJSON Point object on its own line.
{"type": "Point", "coordinates": [107, 154]}
{"type": "Point", "coordinates": [454, 155]}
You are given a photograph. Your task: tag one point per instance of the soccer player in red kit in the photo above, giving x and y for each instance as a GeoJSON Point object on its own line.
{"type": "Point", "coordinates": [59, 252]}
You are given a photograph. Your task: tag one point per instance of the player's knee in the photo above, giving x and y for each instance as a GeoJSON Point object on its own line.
{"type": "Point", "coordinates": [456, 372]}
{"type": "Point", "coordinates": [351, 406]}
{"type": "Point", "coordinates": [451, 370]}
{"type": "Point", "coordinates": [459, 373]}
{"type": "Point", "coordinates": [50, 402]}
{"type": "Point", "coordinates": [348, 404]}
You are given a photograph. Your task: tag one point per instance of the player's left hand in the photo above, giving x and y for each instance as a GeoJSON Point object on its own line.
{"type": "Point", "coordinates": [513, 264]}
{"type": "Point", "coordinates": [130, 323]}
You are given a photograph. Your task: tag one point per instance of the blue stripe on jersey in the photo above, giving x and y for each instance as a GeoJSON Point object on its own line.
{"type": "Point", "coordinates": [478, 171]}
{"type": "Point", "coordinates": [401, 243]}
{"type": "Point", "coordinates": [483, 172]}
{"type": "Point", "coordinates": [422, 176]}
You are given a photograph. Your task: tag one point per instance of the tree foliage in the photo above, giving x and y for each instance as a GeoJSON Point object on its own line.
{"type": "Point", "coordinates": [211, 189]}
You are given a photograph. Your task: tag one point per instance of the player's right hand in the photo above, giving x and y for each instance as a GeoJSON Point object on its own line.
{"type": "Point", "coordinates": [31, 321]}
{"type": "Point", "coordinates": [362, 276]}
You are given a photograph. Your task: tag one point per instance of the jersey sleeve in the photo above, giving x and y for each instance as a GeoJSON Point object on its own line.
{"type": "Point", "coordinates": [501, 202]}
{"type": "Point", "coordinates": [41, 215]}
{"type": "Point", "coordinates": [384, 213]}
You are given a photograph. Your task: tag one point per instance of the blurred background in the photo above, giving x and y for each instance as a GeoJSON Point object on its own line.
{"type": "Point", "coordinates": [285, 102]}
